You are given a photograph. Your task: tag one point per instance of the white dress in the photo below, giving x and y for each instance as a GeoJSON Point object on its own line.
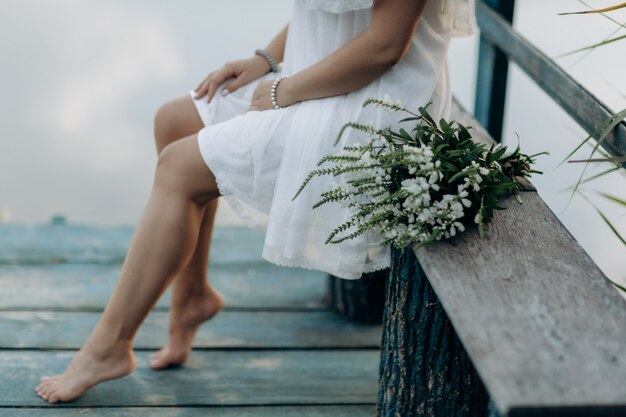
{"type": "Point", "coordinates": [260, 159]}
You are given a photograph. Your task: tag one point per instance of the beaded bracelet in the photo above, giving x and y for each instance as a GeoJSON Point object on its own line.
{"type": "Point", "coordinates": [273, 93]}
{"type": "Point", "coordinates": [268, 58]}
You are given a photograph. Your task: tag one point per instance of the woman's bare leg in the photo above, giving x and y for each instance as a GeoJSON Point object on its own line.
{"type": "Point", "coordinates": [194, 300]}
{"type": "Point", "coordinates": [163, 243]}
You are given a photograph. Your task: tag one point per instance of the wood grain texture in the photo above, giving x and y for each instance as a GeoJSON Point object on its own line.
{"type": "Point", "coordinates": [424, 369]}
{"type": "Point", "coordinates": [586, 109]}
{"type": "Point", "coordinates": [69, 287]}
{"type": "Point", "coordinates": [42, 244]}
{"type": "Point", "coordinates": [241, 330]}
{"type": "Point", "coordinates": [209, 378]}
{"type": "Point", "coordinates": [544, 328]}
{"type": "Point", "coordinates": [281, 411]}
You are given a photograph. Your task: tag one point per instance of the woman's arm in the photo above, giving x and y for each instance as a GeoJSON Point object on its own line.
{"type": "Point", "coordinates": [243, 71]}
{"type": "Point", "coordinates": [361, 60]}
{"type": "Point", "coordinates": [357, 63]}
{"type": "Point", "coordinates": [276, 48]}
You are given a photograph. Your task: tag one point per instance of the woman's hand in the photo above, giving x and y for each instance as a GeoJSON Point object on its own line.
{"type": "Point", "coordinates": [243, 71]}
{"type": "Point", "coordinates": [261, 96]}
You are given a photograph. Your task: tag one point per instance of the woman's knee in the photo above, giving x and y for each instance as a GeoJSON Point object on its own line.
{"type": "Point", "coordinates": [181, 169]}
{"type": "Point", "coordinates": [164, 125]}
{"type": "Point", "coordinates": [174, 120]}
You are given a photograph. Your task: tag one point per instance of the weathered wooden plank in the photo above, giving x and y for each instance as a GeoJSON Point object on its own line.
{"type": "Point", "coordinates": [46, 244]}
{"type": "Point", "coordinates": [280, 411]}
{"type": "Point", "coordinates": [543, 326]}
{"type": "Point", "coordinates": [88, 287]}
{"type": "Point", "coordinates": [242, 330]}
{"type": "Point", "coordinates": [586, 109]}
{"type": "Point", "coordinates": [210, 378]}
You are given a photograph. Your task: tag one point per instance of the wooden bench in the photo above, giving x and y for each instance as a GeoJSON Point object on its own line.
{"type": "Point", "coordinates": [522, 322]}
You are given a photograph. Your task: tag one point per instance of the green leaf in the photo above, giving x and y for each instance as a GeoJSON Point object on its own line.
{"type": "Point", "coordinates": [604, 131]}
{"type": "Point", "coordinates": [613, 198]}
{"type": "Point", "coordinates": [611, 226]}
{"type": "Point", "coordinates": [604, 10]}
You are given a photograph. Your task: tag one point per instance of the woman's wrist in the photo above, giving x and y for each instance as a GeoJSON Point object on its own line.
{"type": "Point", "coordinates": [262, 63]}
{"type": "Point", "coordinates": [284, 93]}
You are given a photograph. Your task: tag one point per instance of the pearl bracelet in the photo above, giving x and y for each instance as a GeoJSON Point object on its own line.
{"type": "Point", "coordinates": [273, 93]}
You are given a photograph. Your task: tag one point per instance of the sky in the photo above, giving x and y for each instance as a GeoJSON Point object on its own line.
{"type": "Point", "coordinates": [82, 79]}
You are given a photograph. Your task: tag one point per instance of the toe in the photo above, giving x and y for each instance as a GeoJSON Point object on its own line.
{"type": "Point", "coordinates": [43, 394]}
{"type": "Point", "coordinates": [156, 355]}
{"type": "Point", "coordinates": [47, 383]}
{"type": "Point", "coordinates": [157, 363]}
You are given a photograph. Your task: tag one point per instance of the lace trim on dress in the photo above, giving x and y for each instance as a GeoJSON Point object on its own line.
{"type": "Point", "coordinates": [460, 16]}
{"type": "Point", "coordinates": [338, 6]}
{"type": "Point", "coordinates": [347, 273]}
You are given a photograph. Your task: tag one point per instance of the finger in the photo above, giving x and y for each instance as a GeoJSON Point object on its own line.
{"type": "Point", "coordinates": [202, 90]}
{"type": "Point", "coordinates": [236, 84]}
{"type": "Point", "coordinates": [214, 84]}
{"type": "Point", "coordinates": [203, 82]}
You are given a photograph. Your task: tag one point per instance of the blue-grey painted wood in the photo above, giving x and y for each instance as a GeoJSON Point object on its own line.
{"type": "Point", "coordinates": [586, 109]}
{"type": "Point", "coordinates": [492, 74]}
{"type": "Point", "coordinates": [281, 411]}
{"type": "Point", "coordinates": [492, 411]}
{"type": "Point", "coordinates": [229, 330]}
{"type": "Point", "coordinates": [83, 244]}
{"type": "Point", "coordinates": [209, 378]}
{"type": "Point", "coordinates": [69, 287]}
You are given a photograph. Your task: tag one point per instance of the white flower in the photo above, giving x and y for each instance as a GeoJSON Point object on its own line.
{"type": "Point", "coordinates": [411, 186]}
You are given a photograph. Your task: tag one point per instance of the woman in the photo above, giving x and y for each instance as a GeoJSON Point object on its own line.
{"type": "Point", "coordinates": [252, 136]}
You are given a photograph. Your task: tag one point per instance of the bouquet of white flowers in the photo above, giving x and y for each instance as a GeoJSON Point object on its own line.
{"type": "Point", "coordinates": [421, 186]}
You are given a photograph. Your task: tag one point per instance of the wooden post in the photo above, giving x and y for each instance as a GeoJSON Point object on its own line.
{"type": "Point", "coordinates": [361, 300]}
{"type": "Point", "coordinates": [424, 369]}
{"type": "Point", "coordinates": [493, 68]}
{"type": "Point", "coordinates": [492, 410]}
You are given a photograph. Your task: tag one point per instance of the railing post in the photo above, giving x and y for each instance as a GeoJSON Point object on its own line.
{"type": "Point", "coordinates": [361, 300]}
{"type": "Point", "coordinates": [424, 368]}
{"type": "Point", "coordinates": [493, 68]}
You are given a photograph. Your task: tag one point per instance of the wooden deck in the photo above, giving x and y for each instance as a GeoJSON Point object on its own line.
{"type": "Point", "coordinates": [274, 351]}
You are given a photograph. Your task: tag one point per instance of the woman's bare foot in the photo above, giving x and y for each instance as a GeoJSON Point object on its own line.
{"type": "Point", "coordinates": [89, 367]}
{"type": "Point", "coordinates": [185, 319]}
